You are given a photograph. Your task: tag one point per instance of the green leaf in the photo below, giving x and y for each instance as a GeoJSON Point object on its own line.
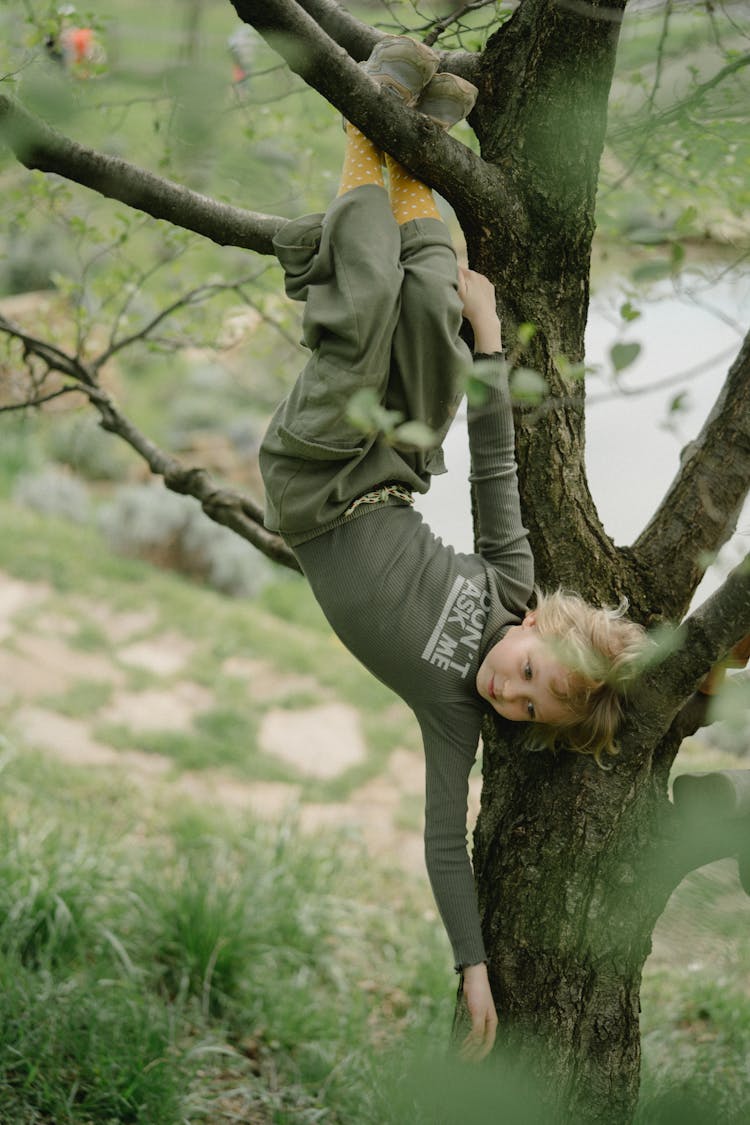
{"type": "Point", "coordinates": [730, 704]}
{"type": "Point", "coordinates": [414, 435]}
{"type": "Point", "coordinates": [685, 222]}
{"type": "Point", "coordinates": [365, 411]}
{"type": "Point", "coordinates": [570, 370]}
{"type": "Point", "coordinates": [678, 255]}
{"type": "Point", "coordinates": [526, 333]}
{"type": "Point", "coordinates": [628, 312]}
{"type": "Point", "coordinates": [622, 355]}
{"type": "Point", "coordinates": [663, 641]}
{"type": "Point", "coordinates": [648, 236]}
{"type": "Point", "coordinates": [476, 391]}
{"type": "Point", "coordinates": [679, 402]}
{"type": "Point", "coordinates": [654, 270]}
{"type": "Point", "coordinates": [527, 385]}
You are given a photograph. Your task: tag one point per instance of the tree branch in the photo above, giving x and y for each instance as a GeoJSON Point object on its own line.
{"type": "Point", "coordinates": [710, 820]}
{"type": "Point", "coordinates": [666, 117]}
{"type": "Point", "coordinates": [356, 37]}
{"type": "Point", "coordinates": [224, 506]}
{"type": "Point", "coordinates": [38, 146]}
{"type": "Point", "coordinates": [465, 180]}
{"type": "Point", "coordinates": [662, 703]}
{"type": "Point", "coordinates": [699, 511]}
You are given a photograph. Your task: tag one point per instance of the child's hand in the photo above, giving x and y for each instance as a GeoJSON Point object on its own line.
{"type": "Point", "coordinates": [478, 1043]}
{"type": "Point", "coordinates": [477, 294]}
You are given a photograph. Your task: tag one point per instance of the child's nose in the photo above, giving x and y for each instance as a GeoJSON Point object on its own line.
{"type": "Point", "coordinates": [510, 691]}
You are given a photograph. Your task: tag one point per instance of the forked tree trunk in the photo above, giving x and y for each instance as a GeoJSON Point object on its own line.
{"type": "Point", "coordinates": [561, 846]}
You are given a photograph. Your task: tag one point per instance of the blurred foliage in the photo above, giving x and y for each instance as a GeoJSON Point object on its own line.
{"type": "Point", "coordinates": [149, 522]}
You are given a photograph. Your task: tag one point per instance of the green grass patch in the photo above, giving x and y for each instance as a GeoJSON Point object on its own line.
{"type": "Point", "coordinates": [159, 962]}
{"type": "Point", "coordinates": [696, 1004]}
{"type": "Point", "coordinates": [81, 700]}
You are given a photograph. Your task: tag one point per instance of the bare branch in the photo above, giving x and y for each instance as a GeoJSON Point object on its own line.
{"type": "Point", "coordinates": [699, 511]}
{"type": "Point", "coordinates": [54, 358]}
{"type": "Point", "coordinates": [42, 400]}
{"type": "Point", "coordinates": [679, 109]}
{"type": "Point", "coordinates": [692, 716]}
{"type": "Point", "coordinates": [223, 505]}
{"type": "Point", "coordinates": [36, 145]}
{"type": "Point", "coordinates": [192, 297]}
{"type": "Point", "coordinates": [356, 37]}
{"type": "Point", "coordinates": [659, 57]}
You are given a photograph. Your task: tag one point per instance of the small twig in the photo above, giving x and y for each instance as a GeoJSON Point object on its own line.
{"type": "Point", "coordinates": [28, 404]}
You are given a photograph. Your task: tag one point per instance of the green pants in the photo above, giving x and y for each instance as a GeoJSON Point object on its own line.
{"type": "Point", "coordinates": [382, 312]}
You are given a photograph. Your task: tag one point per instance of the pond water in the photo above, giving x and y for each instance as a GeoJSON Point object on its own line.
{"type": "Point", "coordinates": [689, 331]}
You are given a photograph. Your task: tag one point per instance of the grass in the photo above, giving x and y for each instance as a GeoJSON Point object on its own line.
{"type": "Point", "coordinates": [158, 963]}
{"type": "Point", "coordinates": [696, 1005]}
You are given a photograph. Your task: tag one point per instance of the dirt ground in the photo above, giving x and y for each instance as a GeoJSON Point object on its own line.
{"type": "Point", "coordinates": [39, 666]}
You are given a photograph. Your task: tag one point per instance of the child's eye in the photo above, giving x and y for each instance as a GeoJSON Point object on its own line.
{"type": "Point", "coordinates": [530, 710]}
{"type": "Point", "coordinates": [527, 672]}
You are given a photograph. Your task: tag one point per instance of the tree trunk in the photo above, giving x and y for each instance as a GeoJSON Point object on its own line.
{"type": "Point", "coordinates": [569, 897]}
{"type": "Point", "coordinates": [561, 844]}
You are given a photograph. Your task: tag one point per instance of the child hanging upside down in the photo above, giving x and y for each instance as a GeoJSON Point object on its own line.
{"type": "Point", "coordinates": [450, 633]}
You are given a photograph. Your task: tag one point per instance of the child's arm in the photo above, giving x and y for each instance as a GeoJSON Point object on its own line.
{"type": "Point", "coordinates": [737, 657]}
{"type": "Point", "coordinates": [478, 295]}
{"type": "Point", "coordinates": [502, 538]}
{"type": "Point", "coordinates": [478, 996]}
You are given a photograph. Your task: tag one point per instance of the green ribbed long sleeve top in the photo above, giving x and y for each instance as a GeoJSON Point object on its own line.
{"type": "Point", "coordinates": [421, 617]}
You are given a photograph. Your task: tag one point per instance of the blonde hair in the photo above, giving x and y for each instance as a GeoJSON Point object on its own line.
{"type": "Point", "coordinates": [602, 651]}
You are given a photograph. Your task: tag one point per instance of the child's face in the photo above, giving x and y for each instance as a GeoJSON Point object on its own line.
{"type": "Point", "coordinates": [518, 675]}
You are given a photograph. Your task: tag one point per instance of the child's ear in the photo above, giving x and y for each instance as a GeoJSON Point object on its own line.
{"type": "Point", "coordinates": [529, 620]}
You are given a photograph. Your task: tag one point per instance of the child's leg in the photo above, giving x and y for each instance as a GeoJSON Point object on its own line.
{"type": "Point", "coordinates": [429, 358]}
{"type": "Point", "coordinates": [410, 198]}
{"type": "Point", "coordinates": [345, 266]}
{"type": "Point", "coordinates": [363, 162]}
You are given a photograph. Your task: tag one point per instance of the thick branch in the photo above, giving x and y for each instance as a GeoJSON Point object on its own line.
{"type": "Point", "coordinates": [36, 145]}
{"type": "Point", "coordinates": [664, 698]}
{"type": "Point", "coordinates": [465, 180]}
{"type": "Point", "coordinates": [692, 716]}
{"type": "Point", "coordinates": [710, 821]}
{"type": "Point", "coordinates": [700, 509]}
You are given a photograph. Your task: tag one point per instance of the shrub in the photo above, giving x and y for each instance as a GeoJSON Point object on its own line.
{"type": "Point", "coordinates": [81, 444]}
{"type": "Point", "coordinates": [55, 492]}
{"type": "Point", "coordinates": [172, 531]}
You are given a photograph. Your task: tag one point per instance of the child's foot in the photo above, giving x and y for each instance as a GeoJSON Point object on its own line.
{"type": "Point", "coordinates": [447, 99]}
{"type": "Point", "coordinates": [402, 66]}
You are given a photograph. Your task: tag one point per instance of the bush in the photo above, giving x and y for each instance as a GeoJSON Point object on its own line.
{"type": "Point", "coordinates": [81, 444]}
{"type": "Point", "coordinates": [149, 522]}
{"type": "Point", "coordinates": [55, 492]}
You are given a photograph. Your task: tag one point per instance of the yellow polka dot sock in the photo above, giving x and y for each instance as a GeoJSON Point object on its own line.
{"type": "Point", "coordinates": [363, 161]}
{"type": "Point", "coordinates": [410, 198]}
